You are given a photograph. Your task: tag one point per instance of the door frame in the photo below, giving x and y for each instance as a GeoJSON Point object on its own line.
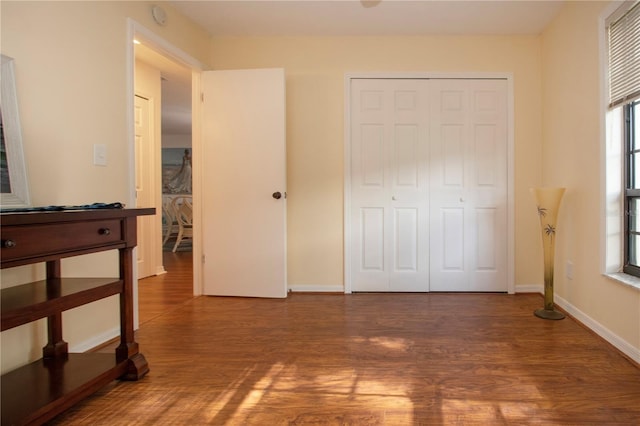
{"type": "Point", "coordinates": [137, 31]}
{"type": "Point", "coordinates": [349, 77]}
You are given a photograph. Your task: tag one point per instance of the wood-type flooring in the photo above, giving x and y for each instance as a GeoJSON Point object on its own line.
{"type": "Point", "coordinates": [364, 359]}
{"type": "Point", "coordinates": [162, 293]}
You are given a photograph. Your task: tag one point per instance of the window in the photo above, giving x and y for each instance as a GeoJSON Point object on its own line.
{"type": "Point", "coordinates": [623, 71]}
{"type": "Point", "coordinates": [631, 134]}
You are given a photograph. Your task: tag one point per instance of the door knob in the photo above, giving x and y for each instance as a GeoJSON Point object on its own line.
{"type": "Point", "coordinates": [276, 195]}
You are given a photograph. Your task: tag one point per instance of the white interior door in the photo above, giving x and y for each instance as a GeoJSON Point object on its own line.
{"type": "Point", "coordinates": [468, 185]}
{"type": "Point", "coordinates": [143, 121]}
{"type": "Point", "coordinates": [389, 197]}
{"type": "Point", "coordinates": [244, 170]}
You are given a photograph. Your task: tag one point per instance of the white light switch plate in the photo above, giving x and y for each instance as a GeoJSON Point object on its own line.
{"type": "Point", "coordinates": [100, 155]}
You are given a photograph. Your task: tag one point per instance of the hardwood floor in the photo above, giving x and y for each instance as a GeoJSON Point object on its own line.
{"type": "Point", "coordinates": [160, 294]}
{"type": "Point", "coordinates": [368, 359]}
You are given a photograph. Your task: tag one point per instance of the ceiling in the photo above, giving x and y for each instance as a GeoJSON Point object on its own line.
{"type": "Point", "coordinates": [356, 17]}
{"type": "Point", "coordinates": [336, 18]}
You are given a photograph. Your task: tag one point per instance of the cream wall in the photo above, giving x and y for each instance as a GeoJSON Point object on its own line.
{"type": "Point", "coordinates": [72, 74]}
{"type": "Point", "coordinates": [315, 71]}
{"type": "Point", "coordinates": [176, 141]}
{"type": "Point", "coordinates": [572, 157]}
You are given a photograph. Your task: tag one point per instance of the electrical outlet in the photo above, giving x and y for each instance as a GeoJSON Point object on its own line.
{"type": "Point", "coordinates": [569, 270]}
{"type": "Point", "coordinates": [100, 155]}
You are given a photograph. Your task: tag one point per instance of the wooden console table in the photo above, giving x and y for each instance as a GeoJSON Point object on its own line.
{"type": "Point", "coordinates": [37, 392]}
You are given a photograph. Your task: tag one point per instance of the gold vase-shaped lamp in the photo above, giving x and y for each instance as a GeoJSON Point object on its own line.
{"type": "Point", "coordinates": [548, 200]}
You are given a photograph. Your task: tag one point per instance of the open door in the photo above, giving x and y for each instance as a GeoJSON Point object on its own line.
{"type": "Point", "coordinates": [144, 155]}
{"type": "Point", "coordinates": [244, 183]}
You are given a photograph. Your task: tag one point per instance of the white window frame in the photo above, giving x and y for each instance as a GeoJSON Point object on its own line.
{"type": "Point", "coordinates": [612, 157]}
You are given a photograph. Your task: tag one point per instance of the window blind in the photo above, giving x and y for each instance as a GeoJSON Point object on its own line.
{"type": "Point", "coordinates": [624, 57]}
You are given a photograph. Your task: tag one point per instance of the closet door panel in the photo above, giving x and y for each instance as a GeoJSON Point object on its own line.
{"type": "Point", "coordinates": [468, 185]}
{"type": "Point", "coordinates": [389, 150]}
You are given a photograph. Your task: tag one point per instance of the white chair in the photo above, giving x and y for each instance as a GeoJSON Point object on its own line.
{"type": "Point", "coordinates": [170, 224]}
{"type": "Point", "coordinates": [183, 208]}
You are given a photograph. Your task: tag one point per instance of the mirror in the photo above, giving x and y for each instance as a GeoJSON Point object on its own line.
{"type": "Point", "coordinates": [14, 190]}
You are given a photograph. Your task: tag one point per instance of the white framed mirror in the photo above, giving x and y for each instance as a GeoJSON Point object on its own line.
{"type": "Point", "coordinates": [14, 188]}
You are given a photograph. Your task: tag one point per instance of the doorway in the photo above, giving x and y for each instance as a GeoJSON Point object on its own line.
{"type": "Point", "coordinates": [178, 74]}
{"type": "Point", "coordinates": [427, 184]}
{"type": "Point", "coordinates": [174, 162]}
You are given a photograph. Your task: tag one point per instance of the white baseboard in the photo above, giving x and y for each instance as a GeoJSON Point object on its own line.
{"type": "Point", "coordinates": [323, 288]}
{"type": "Point", "coordinates": [621, 344]}
{"type": "Point", "coordinates": [302, 288]}
{"type": "Point", "coordinates": [95, 341]}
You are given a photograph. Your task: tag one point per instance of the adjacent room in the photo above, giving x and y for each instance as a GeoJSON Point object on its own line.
{"type": "Point", "coordinates": [359, 205]}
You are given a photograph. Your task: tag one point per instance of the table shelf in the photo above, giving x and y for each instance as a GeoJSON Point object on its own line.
{"type": "Point", "coordinates": [54, 383]}
{"type": "Point", "coordinates": [29, 302]}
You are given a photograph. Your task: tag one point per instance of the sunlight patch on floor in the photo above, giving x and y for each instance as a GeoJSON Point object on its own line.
{"type": "Point", "coordinates": [455, 411]}
{"type": "Point", "coordinates": [254, 397]}
{"type": "Point", "coordinates": [397, 344]}
{"type": "Point", "coordinates": [519, 411]}
{"type": "Point", "coordinates": [225, 397]}
{"type": "Point", "coordinates": [281, 385]}
{"type": "Point", "coordinates": [383, 388]}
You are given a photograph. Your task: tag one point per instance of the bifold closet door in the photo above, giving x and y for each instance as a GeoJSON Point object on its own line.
{"type": "Point", "coordinates": [389, 193]}
{"type": "Point", "coordinates": [468, 185]}
{"type": "Point", "coordinates": [428, 185]}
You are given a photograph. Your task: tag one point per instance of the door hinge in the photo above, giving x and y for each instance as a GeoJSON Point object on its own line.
{"type": "Point", "coordinates": [203, 258]}
{"type": "Point", "coordinates": [202, 97]}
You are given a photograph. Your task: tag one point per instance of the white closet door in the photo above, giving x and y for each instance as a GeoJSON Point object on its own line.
{"type": "Point", "coordinates": [468, 185]}
{"type": "Point", "coordinates": [389, 192]}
